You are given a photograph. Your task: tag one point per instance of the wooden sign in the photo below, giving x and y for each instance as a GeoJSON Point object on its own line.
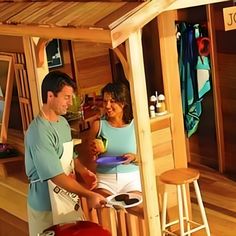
{"type": "Point", "coordinates": [229, 18]}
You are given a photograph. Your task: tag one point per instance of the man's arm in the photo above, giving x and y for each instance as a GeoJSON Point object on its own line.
{"type": "Point", "coordinates": [88, 176]}
{"type": "Point", "coordinates": [94, 200]}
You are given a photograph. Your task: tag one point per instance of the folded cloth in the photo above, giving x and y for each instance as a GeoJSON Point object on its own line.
{"type": "Point", "coordinates": [7, 151]}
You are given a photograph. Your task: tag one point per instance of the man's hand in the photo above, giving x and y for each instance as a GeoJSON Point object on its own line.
{"type": "Point", "coordinates": [96, 201]}
{"type": "Point", "coordinates": [89, 178]}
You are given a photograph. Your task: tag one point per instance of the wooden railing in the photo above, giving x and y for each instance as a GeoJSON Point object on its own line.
{"type": "Point", "coordinates": [118, 222]}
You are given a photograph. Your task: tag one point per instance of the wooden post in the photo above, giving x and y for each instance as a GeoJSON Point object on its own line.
{"type": "Point", "coordinates": [136, 76]}
{"type": "Point", "coordinates": [216, 90]}
{"type": "Point", "coordinates": [171, 82]}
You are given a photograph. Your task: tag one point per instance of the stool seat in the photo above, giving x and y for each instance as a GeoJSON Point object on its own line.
{"type": "Point", "coordinates": [179, 176]}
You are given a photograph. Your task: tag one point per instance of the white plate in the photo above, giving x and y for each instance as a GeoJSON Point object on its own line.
{"type": "Point", "coordinates": [111, 200]}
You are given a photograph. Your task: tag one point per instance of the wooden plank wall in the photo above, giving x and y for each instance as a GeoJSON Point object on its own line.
{"type": "Point", "coordinates": [227, 74]}
{"type": "Point", "coordinates": [163, 154]}
{"type": "Point", "coordinates": [11, 44]}
{"type": "Point", "coordinates": [226, 56]}
{"type": "Point", "coordinates": [92, 65]}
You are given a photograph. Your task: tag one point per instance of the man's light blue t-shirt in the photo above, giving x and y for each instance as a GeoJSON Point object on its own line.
{"type": "Point", "coordinates": [43, 149]}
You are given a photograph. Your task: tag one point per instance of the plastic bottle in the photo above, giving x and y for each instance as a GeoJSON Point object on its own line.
{"type": "Point", "coordinates": [152, 100]}
{"type": "Point", "coordinates": [152, 111]}
{"type": "Point", "coordinates": [161, 109]}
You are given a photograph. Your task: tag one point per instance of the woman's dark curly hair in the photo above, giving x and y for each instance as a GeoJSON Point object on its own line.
{"type": "Point", "coordinates": [120, 93]}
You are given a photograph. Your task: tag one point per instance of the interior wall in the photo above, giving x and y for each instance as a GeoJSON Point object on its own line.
{"type": "Point", "coordinates": [11, 44]}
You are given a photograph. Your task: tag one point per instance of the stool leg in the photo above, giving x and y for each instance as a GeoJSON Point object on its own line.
{"type": "Point", "coordinates": [203, 213]}
{"type": "Point", "coordinates": [180, 207]}
{"type": "Point", "coordinates": [164, 209]}
{"type": "Point", "coordinates": [184, 193]}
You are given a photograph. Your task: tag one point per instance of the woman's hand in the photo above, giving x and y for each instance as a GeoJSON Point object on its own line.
{"type": "Point", "coordinates": [96, 147]}
{"type": "Point", "coordinates": [130, 157]}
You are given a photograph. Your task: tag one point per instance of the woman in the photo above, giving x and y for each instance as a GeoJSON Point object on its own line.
{"type": "Point", "coordinates": [117, 127]}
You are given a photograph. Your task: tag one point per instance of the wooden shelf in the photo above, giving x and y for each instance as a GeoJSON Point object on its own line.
{"type": "Point", "coordinates": [160, 122]}
{"type": "Point", "coordinates": [11, 159]}
{"type": "Point", "coordinates": [10, 165]}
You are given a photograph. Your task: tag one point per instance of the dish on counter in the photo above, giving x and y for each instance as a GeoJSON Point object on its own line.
{"type": "Point", "coordinates": [124, 200]}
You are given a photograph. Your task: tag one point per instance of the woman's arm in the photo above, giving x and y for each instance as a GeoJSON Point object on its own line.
{"type": "Point", "coordinates": [94, 148]}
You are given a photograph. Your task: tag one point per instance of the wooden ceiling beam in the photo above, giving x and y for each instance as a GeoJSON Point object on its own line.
{"type": "Point", "coordinates": [77, 34]}
{"type": "Point", "coordinates": [136, 21]}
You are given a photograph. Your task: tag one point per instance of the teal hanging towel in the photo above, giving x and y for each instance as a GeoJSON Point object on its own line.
{"type": "Point", "coordinates": [194, 75]}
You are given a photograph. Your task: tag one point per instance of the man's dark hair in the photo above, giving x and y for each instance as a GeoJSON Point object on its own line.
{"type": "Point", "coordinates": [54, 82]}
{"type": "Point", "coordinates": [120, 93]}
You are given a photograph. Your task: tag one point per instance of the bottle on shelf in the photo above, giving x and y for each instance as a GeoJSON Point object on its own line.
{"type": "Point", "coordinates": [152, 111]}
{"type": "Point", "coordinates": [161, 106]}
{"type": "Point", "coordinates": [153, 100]}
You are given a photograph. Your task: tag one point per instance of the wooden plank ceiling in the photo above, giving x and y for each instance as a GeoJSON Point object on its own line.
{"type": "Point", "coordinates": [103, 22]}
{"type": "Point", "coordinates": [39, 18]}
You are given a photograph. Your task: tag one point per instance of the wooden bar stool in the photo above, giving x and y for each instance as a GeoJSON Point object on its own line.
{"type": "Point", "coordinates": [181, 177]}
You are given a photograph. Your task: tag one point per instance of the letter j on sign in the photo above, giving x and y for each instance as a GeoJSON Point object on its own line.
{"type": "Point", "coordinates": [229, 18]}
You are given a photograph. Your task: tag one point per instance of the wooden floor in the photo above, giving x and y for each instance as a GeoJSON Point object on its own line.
{"type": "Point", "coordinates": [219, 197]}
{"type": "Point", "coordinates": [218, 193]}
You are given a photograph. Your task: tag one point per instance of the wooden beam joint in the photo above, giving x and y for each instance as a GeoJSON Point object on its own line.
{"type": "Point", "coordinates": [40, 49]}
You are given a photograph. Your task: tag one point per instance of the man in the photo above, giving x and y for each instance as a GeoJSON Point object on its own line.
{"type": "Point", "coordinates": [48, 157]}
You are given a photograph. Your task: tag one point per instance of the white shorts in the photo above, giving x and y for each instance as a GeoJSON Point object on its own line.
{"type": "Point", "coordinates": [120, 182]}
{"type": "Point", "coordinates": [38, 221]}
